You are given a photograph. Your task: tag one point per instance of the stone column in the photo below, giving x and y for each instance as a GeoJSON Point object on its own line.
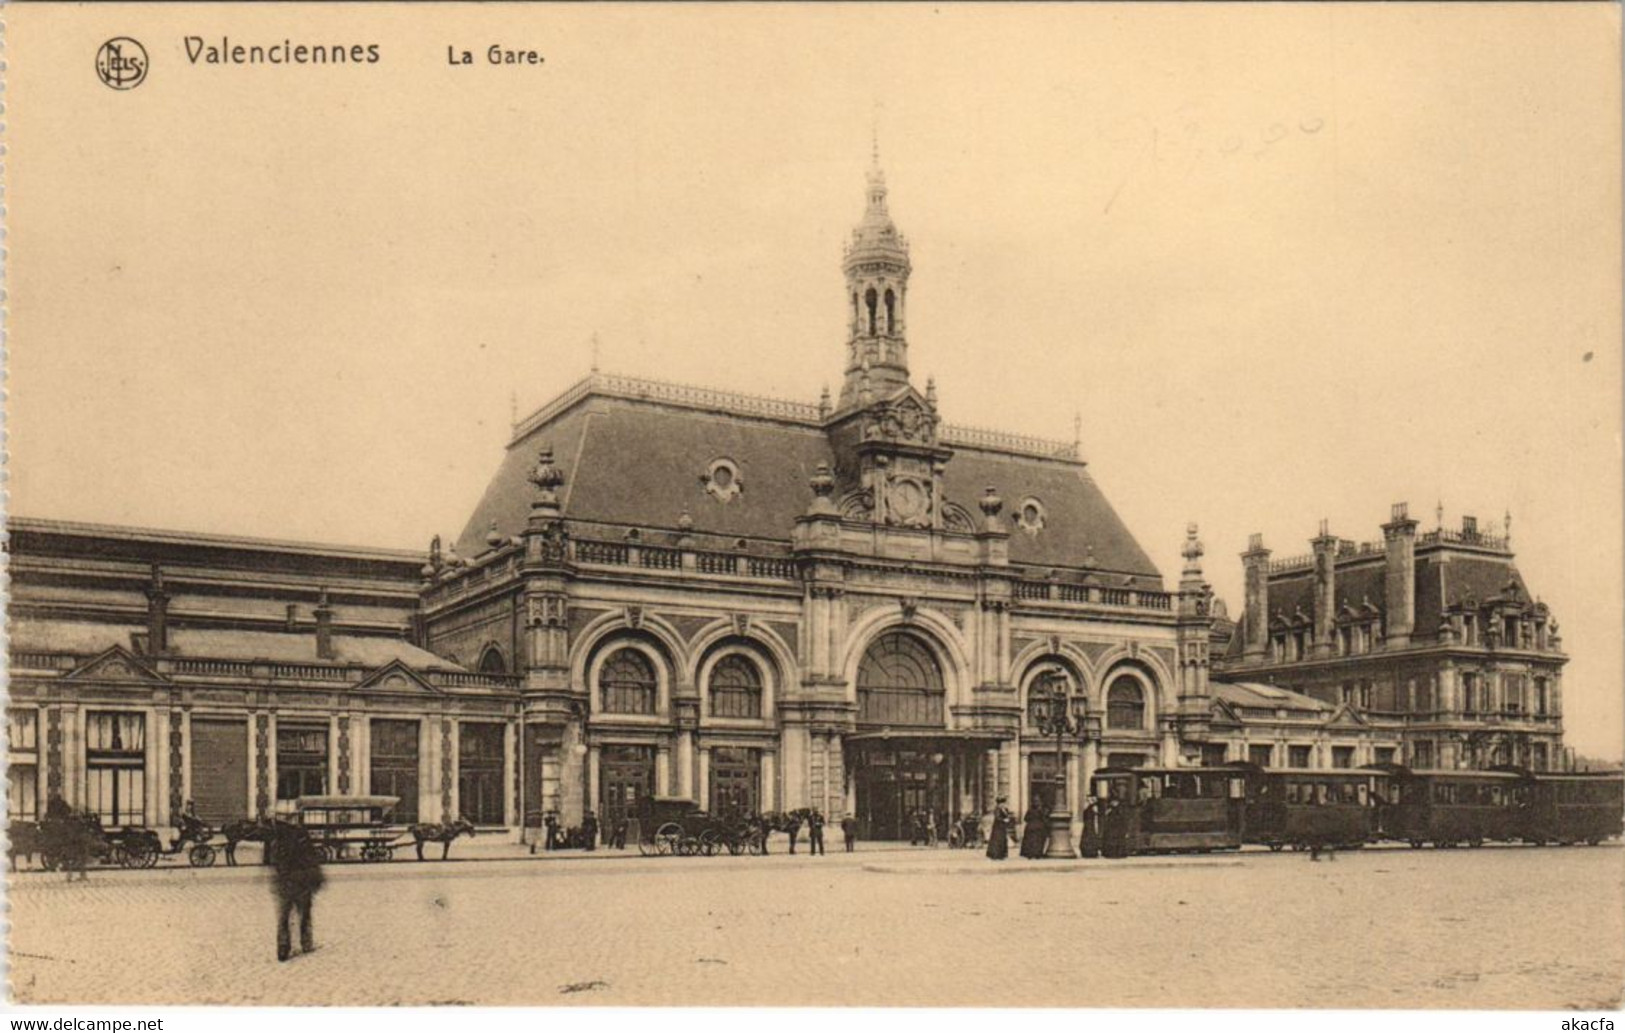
{"type": "Point", "coordinates": [591, 802]}
{"type": "Point", "coordinates": [702, 788]}
{"type": "Point", "coordinates": [685, 767]}
{"type": "Point", "coordinates": [662, 771]}
{"type": "Point", "coordinates": [770, 787]}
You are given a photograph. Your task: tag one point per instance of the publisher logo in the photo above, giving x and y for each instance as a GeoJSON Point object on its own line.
{"type": "Point", "coordinates": [121, 63]}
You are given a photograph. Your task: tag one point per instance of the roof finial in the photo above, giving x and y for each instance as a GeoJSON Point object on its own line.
{"type": "Point", "coordinates": [513, 410]}
{"type": "Point", "coordinates": [1438, 516]}
{"type": "Point", "coordinates": [1077, 430]}
{"type": "Point", "coordinates": [595, 351]}
{"type": "Point", "coordinates": [1507, 525]}
{"type": "Point", "coordinates": [874, 135]}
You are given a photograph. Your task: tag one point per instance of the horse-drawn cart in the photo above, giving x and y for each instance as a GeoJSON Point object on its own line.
{"type": "Point", "coordinates": [669, 825]}
{"type": "Point", "coordinates": [346, 827]}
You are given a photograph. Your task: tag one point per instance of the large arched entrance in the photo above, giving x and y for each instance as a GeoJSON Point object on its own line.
{"type": "Point", "coordinates": [908, 769]}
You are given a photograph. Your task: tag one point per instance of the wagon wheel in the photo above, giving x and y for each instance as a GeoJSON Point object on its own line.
{"type": "Point", "coordinates": [755, 845]}
{"type": "Point", "coordinates": [137, 853]}
{"type": "Point", "coordinates": [371, 852]}
{"type": "Point", "coordinates": [201, 855]}
{"type": "Point", "coordinates": [668, 838]}
{"type": "Point", "coordinates": [49, 862]}
{"type": "Point", "coordinates": [647, 847]}
{"type": "Point", "coordinates": [736, 846]}
{"type": "Point", "coordinates": [710, 842]}
{"type": "Point", "coordinates": [154, 849]}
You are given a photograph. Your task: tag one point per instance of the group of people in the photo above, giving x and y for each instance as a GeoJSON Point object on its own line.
{"type": "Point", "coordinates": [1034, 838]}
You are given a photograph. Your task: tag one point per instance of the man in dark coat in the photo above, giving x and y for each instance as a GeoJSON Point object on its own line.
{"type": "Point", "coordinates": [296, 876]}
{"type": "Point", "coordinates": [849, 829]}
{"type": "Point", "coordinates": [815, 831]}
{"type": "Point", "coordinates": [793, 827]}
{"type": "Point", "coordinates": [589, 831]}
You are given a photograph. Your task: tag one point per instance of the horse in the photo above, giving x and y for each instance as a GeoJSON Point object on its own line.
{"type": "Point", "coordinates": [443, 834]}
{"type": "Point", "coordinates": [249, 830]}
{"type": "Point", "coordinates": [23, 839]}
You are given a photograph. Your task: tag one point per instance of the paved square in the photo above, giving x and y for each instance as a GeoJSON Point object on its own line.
{"type": "Point", "coordinates": [1491, 928]}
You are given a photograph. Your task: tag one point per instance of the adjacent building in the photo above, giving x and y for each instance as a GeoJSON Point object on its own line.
{"type": "Point", "coordinates": [1430, 638]}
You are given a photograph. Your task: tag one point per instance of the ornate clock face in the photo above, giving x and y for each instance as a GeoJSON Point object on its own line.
{"type": "Point", "coordinates": [909, 500]}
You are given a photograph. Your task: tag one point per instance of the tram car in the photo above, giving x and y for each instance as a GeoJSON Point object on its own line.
{"type": "Point", "coordinates": [1166, 810]}
{"type": "Point", "coordinates": [1454, 808]}
{"type": "Point", "coordinates": [1572, 807]}
{"type": "Point", "coordinates": [1312, 808]}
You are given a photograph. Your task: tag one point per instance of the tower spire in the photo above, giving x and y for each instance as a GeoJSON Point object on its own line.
{"type": "Point", "coordinates": [876, 265]}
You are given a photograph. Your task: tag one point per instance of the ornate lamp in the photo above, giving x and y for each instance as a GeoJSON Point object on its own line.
{"type": "Point", "coordinates": [1052, 709]}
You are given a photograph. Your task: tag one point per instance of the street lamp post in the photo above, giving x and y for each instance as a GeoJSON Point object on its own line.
{"type": "Point", "coordinates": [1052, 712]}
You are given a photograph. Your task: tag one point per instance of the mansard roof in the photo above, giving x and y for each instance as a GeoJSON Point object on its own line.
{"type": "Point", "coordinates": [635, 453]}
{"type": "Point", "coordinates": [1259, 696]}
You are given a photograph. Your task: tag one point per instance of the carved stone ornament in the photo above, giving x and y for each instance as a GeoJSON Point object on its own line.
{"type": "Point", "coordinates": [910, 606]}
{"type": "Point", "coordinates": [634, 617]}
{"type": "Point", "coordinates": [1055, 644]}
{"type": "Point", "coordinates": [722, 481]}
{"type": "Point", "coordinates": [741, 624]}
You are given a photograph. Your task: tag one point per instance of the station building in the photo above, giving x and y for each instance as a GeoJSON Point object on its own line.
{"type": "Point", "coordinates": [757, 604]}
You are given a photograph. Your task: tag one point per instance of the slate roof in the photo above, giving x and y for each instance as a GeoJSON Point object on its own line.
{"type": "Point", "coordinates": [1266, 697]}
{"type": "Point", "coordinates": [1445, 577]}
{"type": "Point", "coordinates": [91, 637]}
{"type": "Point", "coordinates": [639, 463]}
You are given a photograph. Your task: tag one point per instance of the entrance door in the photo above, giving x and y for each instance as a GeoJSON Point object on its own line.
{"type": "Point", "coordinates": [626, 774]}
{"type": "Point", "coordinates": [736, 779]}
{"type": "Point", "coordinates": [220, 770]}
{"type": "Point", "coordinates": [892, 786]}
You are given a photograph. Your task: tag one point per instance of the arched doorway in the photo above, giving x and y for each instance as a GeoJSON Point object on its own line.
{"type": "Point", "coordinates": [902, 755]}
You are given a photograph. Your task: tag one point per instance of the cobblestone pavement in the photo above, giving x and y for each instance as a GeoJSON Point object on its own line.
{"type": "Point", "coordinates": [1491, 928]}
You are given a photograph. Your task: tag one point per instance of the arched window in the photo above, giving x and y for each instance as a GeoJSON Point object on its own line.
{"type": "Point", "coordinates": [1125, 704]}
{"type": "Point", "coordinates": [871, 299]}
{"type": "Point", "coordinates": [736, 688]}
{"type": "Point", "coordinates": [1043, 687]}
{"type": "Point", "coordinates": [891, 312]}
{"type": "Point", "coordinates": [627, 683]}
{"type": "Point", "coordinates": [491, 661]}
{"type": "Point", "coordinates": [900, 684]}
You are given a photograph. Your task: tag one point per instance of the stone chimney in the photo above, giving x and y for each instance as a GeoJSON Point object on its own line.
{"type": "Point", "coordinates": [1256, 565]}
{"type": "Point", "coordinates": [324, 628]}
{"type": "Point", "coordinates": [157, 613]}
{"type": "Point", "coordinates": [1399, 534]}
{"type": "Point", "coordinates": [1325, 597]}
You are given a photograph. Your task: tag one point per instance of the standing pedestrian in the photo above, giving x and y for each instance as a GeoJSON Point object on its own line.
{"type": "Point", "coordinates": [589, 831]}
{"type": "Point", "coordinates": [1035, 834]}
{"type": "Point", "coordinates": [849, 829]}
{"type": "Point", "coordinates": [815, 832]}
{"type": "Point", "coordinates": [793, 826]}
{"type": "Point", "coordinates": [931, 829]}
{"type": "Point", "coordinates": [998, 840]}
{"type": "Point", "coordinates": [295, 878]}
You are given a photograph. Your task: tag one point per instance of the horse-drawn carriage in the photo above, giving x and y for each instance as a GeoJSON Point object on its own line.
{"type": "Point", "coordinates": [72, 840]}
{"type": "Point", "coordinates": [346, 827]}
{"type": "Point", "coordinates": [668, 825]}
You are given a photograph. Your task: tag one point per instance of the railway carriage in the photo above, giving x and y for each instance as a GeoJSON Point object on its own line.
{"type": "Point", "coordinates": [1313, 808]}
{"type": "Point", "coordinates": [1454, 808]}
{"type": "Point", "coordinates": [1577, 807]}
{"type": "Point", "coordinates": [1168, 810]}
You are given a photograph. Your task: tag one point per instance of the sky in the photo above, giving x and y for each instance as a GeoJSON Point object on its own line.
{"type": "Point", "coordinates": [1287, 263]}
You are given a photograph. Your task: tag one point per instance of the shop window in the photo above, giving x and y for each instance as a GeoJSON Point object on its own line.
{"type": "Point", "coordinates": [115, 767]}
{"type": "Point", "coordinates": [301, 761]}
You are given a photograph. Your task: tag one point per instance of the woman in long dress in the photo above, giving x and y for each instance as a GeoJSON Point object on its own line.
{"type": "Point", "coordinates": [998, 840]}
{"type": "Point", "coordinates": [1034, 834]}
